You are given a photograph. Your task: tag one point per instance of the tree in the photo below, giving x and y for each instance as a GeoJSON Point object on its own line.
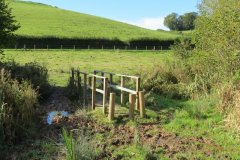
{"type": "Point", "coordinates": [171, 21]}
{"type": "Point", "coordinates": [182, 22]}
{"type": "Point", "coordinates": [7, 24]}
{"type": "Point", "coordinates": [217, 36]}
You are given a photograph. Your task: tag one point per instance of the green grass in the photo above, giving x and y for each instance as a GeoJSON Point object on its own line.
{"type": "Point", "coordinates": [60, 62]}
{"type": "Point", "coordinates": [40, 20]}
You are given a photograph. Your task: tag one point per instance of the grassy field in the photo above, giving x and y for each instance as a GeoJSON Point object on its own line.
{"type": "Point", "coordinates": [59, 62]}
{"type": "Point", "coordinates": [40, 20]}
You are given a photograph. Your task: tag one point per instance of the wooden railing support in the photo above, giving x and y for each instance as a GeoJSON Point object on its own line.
{"type": "Point", "coordinates": [93, 92]}
{"type": "Point", "coordinates": [132, 100]}
{"type": "Point", "coordinates": [142, 104]}
{"type": "Point", "coordinates": [111, 106]}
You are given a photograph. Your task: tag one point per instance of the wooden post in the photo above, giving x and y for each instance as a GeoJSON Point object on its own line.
{"type": "Point", "coordinates": [105, 87]}
{"type": "Point", "coordinates": [61, 47]}
{"type": "Point", "coordinates": [24, 46]}
{"type": "Point", "coordinates": [102, 74]}
{"type": "Point", "coordinates": [146, 48]}
{"type": "Point", "coordinates": [111, 106]}
{"type": "Point", "coordinates": [111, 82]}
{"type": "Point", "coordinates": [47, 46]}
{"type": "Point", "coordinates": [72, 76]}
{"type": "Point", "coordinates": [34, 47]}
{"type": "Point", "coordinates": [85, 89]}
{"type": "Point", "coordinates": [122, 92]}
{"type": "Point", "coordinates": [154, 48]}
{"type": "Point", "coordinates": [74, 47]}
{"type": "Point", "coordinates": [90, 81]}
{"type": "Point", "coordinates": [93, 92]}
{"type": "Point", "coordinates": [137, 90]}
{"type": "Point", "coordinates": [136, 48]}
{"type": "Point", "coordinates": [132, 99]}
{"type": "Point", "coordinates": [88, 47]}
{"type": "Point", "coordinates": [142, 104]}
{"type": "Point", "coordinates": [79, 85]}
{"type": "Point", "coordinates": [114, 47]}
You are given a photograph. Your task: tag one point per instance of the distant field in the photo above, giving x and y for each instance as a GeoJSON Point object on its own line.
{"type": "Point", "coordinates": [59, 62]}
{"type": "Point", "coordinates": [40, 20]}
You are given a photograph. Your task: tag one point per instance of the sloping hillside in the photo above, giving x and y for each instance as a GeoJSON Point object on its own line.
{"type": "Point", "coordinates": [41, 20]}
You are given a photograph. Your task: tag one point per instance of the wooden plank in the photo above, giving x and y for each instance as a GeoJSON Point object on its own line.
{"type": "Point", "coordinates": [111, 106]}
{"type": "Point", "coordinates": [93, 92]}
{"type": "Point", "coordinates": [93, 75]}
{"type": "Point", "coordinates": [137, 90]}
{"type": "Point", "coordinates": [142, 104]}
{"type": "Point", "coordinates": [122, 92]}
{"type": "Point", "coordinates": [99, 91]}
{"type": "Point", "coordinates": [124, 89]}
{"type": "Point", "coordinates": [132, 99]}
{"type": "Point", "coordinates": [128, 76]}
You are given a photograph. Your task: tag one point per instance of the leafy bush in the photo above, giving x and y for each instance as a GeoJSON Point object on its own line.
{"type": "Point", "coordinates": [167, 80]}
{"type": "Point", "coordinates": [17, 102]}
{"type": "Point", "coordinates": [34, 73]}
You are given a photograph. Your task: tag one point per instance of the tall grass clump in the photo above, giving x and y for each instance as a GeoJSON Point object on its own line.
{"type": "Point", "coordinates": [79, 148]}
{"type": "Point", "coordinates": [17, 107]}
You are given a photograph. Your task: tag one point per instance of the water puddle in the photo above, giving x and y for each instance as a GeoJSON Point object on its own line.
{"type": "Point", "coordinates": [52, 114]}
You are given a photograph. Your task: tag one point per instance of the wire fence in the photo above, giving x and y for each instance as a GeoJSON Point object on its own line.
{"type": "Point", "coordinates": [88, 47]}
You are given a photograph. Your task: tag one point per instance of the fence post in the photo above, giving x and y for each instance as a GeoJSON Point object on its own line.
{"type": "Point", "coordinates": [85, 89]}
{"type": "Point", "coordinates": [114, 47]}
{"type": "Point", "coordinates": [146, 48]}
{"type": "Point", "coordinates": [137, 90]}
{"type": "Point", "coordinates": [132, 99]}
{"type": "Point", "coordinates": [34, 46]}
{"type": "Point", "coordinates": [142, 104]}
{"type": "Point", "coordinates": [90, 81]}
{"type": "Point", "coordinates": [79, 85]}
{"type": "Point", "coordinates": [154, 48]}
{"type": "Point", "coordinates": [24, 46]}
{"type": "Point", "coordinates": [111, 106]}
{"type": "Point", "coordinates": [111, 82]}
{"type": "Point", "coordinates": [88, 47]}
{"type": "Point", "coordinates": [93, 92]}
{"type": "Point", "coordinates": [122, 92]}
{"type": "Point", "coordinates": [15, 47]}
{"type": "Point", "coordinates": [105, 88]}
{"type": "Point", "coordinates": [72, 74]}
{"type": "Point", "coordinates": [61, 47]}
{"type": "Point", "coordinates": [74, 48]}
{"type": "Point", "coordinates": [136, 48]}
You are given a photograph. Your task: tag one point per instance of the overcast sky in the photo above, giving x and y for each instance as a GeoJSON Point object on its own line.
{"type": "Point", "coordinates": [144, 13]}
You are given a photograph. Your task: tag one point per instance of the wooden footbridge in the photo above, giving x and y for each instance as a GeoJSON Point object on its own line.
{"type": "Point", "coordinates": [103, 83]}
